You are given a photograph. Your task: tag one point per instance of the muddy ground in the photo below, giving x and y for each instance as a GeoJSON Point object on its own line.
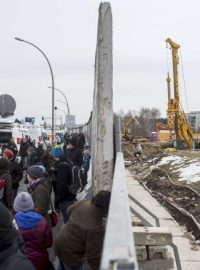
{"type": "Point", "coordinates": [163, 182]}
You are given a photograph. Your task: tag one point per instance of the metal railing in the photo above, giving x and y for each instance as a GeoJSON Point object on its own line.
{"type": "Point", "coordinates": [119, 249]}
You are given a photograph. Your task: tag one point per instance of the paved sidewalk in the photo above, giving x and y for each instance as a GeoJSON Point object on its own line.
{"type": "Point", "coordinates": [190, 259]}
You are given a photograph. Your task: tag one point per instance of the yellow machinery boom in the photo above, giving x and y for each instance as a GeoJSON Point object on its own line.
{"type": "Point", "coordinates": [125, 133]}
{"type": "Point", "coordinates": [176, 118]}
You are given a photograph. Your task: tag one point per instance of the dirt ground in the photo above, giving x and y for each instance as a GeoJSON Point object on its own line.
{"type": "Point", "coordinates": [163, 181]}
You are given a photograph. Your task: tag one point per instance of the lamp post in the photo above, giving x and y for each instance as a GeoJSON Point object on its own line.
{"type": "Point", "coordinates": [52, 78]}
{"type": "Point", "coordinates": [66, 102]}
{"type": "Point", "coordinates": [57, 109]}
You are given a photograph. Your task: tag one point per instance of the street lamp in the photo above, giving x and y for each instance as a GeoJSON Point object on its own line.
{"type": "Point", "coordinates": [52, 78]}
{"type": "Point", "coordinates": [63, 102]}
{"type": "Point", "coordinates": [57, 109]}
{"type": "Point", "coordinates": [66, 102]}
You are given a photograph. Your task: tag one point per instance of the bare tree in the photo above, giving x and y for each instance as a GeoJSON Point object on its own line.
{"type": "Point", "coordinates": [147, 119]}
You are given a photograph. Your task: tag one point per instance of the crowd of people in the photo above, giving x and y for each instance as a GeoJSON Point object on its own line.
{"type": "Point", "coordinates": [25, 223]}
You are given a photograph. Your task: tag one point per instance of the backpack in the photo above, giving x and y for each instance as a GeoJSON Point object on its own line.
{"type": "Point", "coordinates": [2, 185]}
{"type": "Point", "coordinates": [78, 180]}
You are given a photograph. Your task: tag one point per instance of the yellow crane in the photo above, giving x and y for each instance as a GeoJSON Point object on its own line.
{"type": "Point", "coordinates": [176, 118]}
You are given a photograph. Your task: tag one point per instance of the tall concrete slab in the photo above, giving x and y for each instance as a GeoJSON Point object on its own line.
{"type": "Point", "coordinates": [102, 117]}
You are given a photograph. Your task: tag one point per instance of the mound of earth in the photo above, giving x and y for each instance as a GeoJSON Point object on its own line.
{"type": "Point", "coordinates": [167, 176]}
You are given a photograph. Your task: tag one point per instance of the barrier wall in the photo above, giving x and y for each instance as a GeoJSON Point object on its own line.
{"type": "Point", "coordinates": [102, 118]}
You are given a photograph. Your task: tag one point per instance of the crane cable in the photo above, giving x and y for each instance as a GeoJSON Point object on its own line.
{"type": "Point", "coordinates": [184, 84]}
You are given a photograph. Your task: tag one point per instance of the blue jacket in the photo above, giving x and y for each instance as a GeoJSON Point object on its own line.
{"type": "Point", "coordinates": [57, 151]}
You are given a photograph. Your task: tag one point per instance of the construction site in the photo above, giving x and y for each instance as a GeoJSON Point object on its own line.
{"type": "Point", "coordinates": [164, 183]}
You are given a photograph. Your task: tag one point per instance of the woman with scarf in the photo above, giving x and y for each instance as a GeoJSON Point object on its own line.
{"type": "Point", "coordinates": [39, 188]}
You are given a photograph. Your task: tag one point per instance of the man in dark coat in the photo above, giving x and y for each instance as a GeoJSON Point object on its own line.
{"type": "Point", "coordinates": [6, 184]}
{"type": "Point", "coordinates": [14, 169]}
{"type": "Point", "coordinates": [23, 151]}
{"type": "Point", "coordinates": [13, 147]}
{"type": "Point", "coordinates": [40, 151]}
{"type": "Point", "coordinates": [83, 234]}
{"type": "Point", "coordinates": [63, 198]}
{"type": "Point", "coordinates": [11, 257]}
{"type": "Point", "coordinates": [73, 153]}
{"type": "Point", "coordinates": [32, 158]}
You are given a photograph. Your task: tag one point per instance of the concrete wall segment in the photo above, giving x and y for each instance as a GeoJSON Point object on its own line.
{"type": "Point", "coordinates": [102, 120]}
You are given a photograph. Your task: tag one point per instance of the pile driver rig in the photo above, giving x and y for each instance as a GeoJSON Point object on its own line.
{"type": "Point", "coordinates": [176, 118]}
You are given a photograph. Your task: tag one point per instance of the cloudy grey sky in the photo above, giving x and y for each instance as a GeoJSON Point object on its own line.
{"type": "Point", "coordinates": [67, 31]}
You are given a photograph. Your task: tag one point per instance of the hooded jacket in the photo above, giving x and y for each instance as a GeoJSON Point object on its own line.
{"type": "Point", "coordinates": [37, 236]}
{"type": "Point", "coordinates": [75, 155]}
{"type": "Point", "coordinates": [11, 258]}
{"type": "Point", "coordinates": [40, 194]}
{"type": "Point", "coordinates": [82, 235]}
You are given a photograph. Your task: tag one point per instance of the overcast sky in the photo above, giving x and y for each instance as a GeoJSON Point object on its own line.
{"type": "Point", "coordinates": [67, 31]}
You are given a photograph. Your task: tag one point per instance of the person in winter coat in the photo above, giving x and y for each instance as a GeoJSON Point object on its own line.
{"type": "Point", "coordinates": [5, 184]}
{"type": "Point", "coordinates": [57, 150]}
{"type": "Point", "coordinates": [86, 159]}
{"type": "Point", "coordinates": [138, 150]}
{"type": "Point", "coordinates": [40, 189]}
{"type": "Point", "coordinates": [73, 153]}
{"type": "Point", "coordinates": [13, 147]}
{"type": "Point", "coordinates": [23, 152]}
{"type": "Point", "coordinates": [14, 169]}
{"type": "Point", "coordinates": [35, 230]}
{"type": "Point", "coordinates": [32, 158]}
{"type": "Point", "coordinates": [50, 164]}
{"type": "Point", "coordinates": [40, 151]}
{"type": "Point", "coordinates": [81, 141]}
{"type": "Point", "coordinates": [63, 198]}
{"type": "Point", "coordinates": [11, 256]}
{"type": "Point", "coordinates": [83, 234]}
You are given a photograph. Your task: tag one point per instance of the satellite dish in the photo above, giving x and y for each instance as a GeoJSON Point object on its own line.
{"type": "Point", "coordinates": [7, 105]}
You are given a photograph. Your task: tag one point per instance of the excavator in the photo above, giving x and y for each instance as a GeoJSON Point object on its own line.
{"type": "Point", "coordinates": [125, 134]}
{"type": "Point", "coordinates": [176, 118]}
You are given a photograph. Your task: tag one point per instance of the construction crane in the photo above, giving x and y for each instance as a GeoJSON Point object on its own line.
{"type": "Point", "coordinates": [176, 118]}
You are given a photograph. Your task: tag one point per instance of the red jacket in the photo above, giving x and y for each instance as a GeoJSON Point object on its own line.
{"type": "Point", "coordinates": [37, 237]}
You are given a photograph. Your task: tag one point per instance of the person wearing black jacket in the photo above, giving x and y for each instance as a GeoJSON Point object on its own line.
{"type": "Point", "coordinates": [11, 256]}
{"type": "Point", "coordinates": [13, 147]}
{"type": "Point", "coordinates": [63, 197]}
{"type": "Point", "coordinates": [73, 153]}
{"type": "Point", "coordinates": [40, 151]}
{"type": "Point", "coordinates": [14, 169]}
{"type": "Point", "coordinates": [23, 151]}
{"type": "Point", "coordinates": [32, 158]}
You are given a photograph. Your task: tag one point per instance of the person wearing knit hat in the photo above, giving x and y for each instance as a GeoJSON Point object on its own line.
{"type": "Point", "coordinates": [23, 202]}
{"type": "Point", "coordinates": [7, 153]}
{"type": "Point", "coordinates": [35, 230]}
{"type": "Point", "coordinates": [35, 172]}
{"type": "Point", "coordinates": [39, 187]}
{"type": "Point", "coordinates": [11, 257]}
